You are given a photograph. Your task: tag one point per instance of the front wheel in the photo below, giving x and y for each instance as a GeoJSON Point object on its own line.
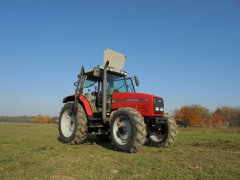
{"type": "Point", "coordinates": [163, 135]}
{"type": "Point", "coordinates": [72, 129]}
{"type": "Point", "coordinates": [128, 130]}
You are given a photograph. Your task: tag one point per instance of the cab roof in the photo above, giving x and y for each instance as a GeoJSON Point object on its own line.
{"type": "Point", "coordinates": [96, 73]}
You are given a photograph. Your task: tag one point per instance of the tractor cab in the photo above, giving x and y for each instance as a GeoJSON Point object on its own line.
{"type": "Point", "coordinates": [92, 86]}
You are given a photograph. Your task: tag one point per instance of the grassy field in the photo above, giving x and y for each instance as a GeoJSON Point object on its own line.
{"type": "Point", "coordinates": [32, 151]}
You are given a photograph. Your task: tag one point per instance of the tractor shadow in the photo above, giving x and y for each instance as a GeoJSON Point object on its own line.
{"type": "Point", "coordinates": [93, 139]}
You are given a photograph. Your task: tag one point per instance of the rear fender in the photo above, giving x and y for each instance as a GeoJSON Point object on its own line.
{"type": "Point", "coordinates": [81, 100]}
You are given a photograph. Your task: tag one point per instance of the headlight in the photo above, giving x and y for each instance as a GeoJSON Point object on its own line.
{"type": "Point", "coordinates": [158, 105]}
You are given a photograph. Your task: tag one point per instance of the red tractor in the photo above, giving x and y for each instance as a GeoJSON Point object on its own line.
{"type": "Point", "coordinates": [106, 103]}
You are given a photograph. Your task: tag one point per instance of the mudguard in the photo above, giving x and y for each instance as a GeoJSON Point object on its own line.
{"type": "Point", "coordinates": [83, 101]}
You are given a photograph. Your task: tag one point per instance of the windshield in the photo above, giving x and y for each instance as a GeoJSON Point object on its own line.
{"type": "Point", "coordinates": [119, 84]}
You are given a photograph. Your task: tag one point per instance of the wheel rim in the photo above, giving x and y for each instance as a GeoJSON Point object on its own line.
{"type": "Point", "coordinates": [122, 130]}
{"type": "Point", "coordinates": [159, 134]}
{"type": "Point", "coordinates": [67, 123]}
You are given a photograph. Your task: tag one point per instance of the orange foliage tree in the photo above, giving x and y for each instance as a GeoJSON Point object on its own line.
{"type": "Point", "coordinates": [195, 114]}
{"type": "Point", "coordinates": [41, 119]}
{"type": "Point", "coordinates": [226, 114]}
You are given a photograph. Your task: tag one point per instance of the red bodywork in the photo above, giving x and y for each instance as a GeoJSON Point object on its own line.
{"type": "Point", "coordinates": [139, 101]}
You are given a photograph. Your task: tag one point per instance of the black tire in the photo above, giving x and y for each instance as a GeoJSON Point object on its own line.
{"type": "Point", "coordinates": [135, 130]}
{"type": "Point", "coordinates": [166, 137]}
{"type": "Point", "coordinates": [79, 129]}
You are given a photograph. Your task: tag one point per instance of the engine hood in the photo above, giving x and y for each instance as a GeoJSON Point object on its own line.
{"type": "Point", "coordinates": [120, 95]}
{"type": "Point", "coordinates": [146, 104]}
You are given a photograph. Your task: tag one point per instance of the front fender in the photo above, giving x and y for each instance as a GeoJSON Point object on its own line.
{"type": "Point", "coordinates": [82, 100]}
{"type": "Point", "coordinates": [68, 98]}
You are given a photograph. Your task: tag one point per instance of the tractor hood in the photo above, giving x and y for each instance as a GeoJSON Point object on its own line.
{"type": "Point", "coordinates": [146, 104]}
{"type": "Point", "coordinates": [121, 95]}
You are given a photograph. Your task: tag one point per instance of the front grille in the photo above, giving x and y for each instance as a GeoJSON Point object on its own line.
{"type": "Point", "coordinates": [158, 105]}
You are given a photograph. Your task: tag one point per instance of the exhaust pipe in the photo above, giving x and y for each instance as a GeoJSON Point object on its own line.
{"type": "Point", "coordinates": [104, 90]}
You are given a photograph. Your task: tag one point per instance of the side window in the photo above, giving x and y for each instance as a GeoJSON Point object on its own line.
{"type": "Point", "coordinates": [109, 88]}
{"type": "Point", "coordinates": [89, 86]}
{"type": "Point", "coordinates": [110, 85]}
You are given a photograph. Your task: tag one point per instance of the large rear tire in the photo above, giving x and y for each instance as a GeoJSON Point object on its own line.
{"type": "Point", "coordinates": [72, 129]}
{"type": "Point", "coordinates": [163, 135]}
{"type": "Point", "coordinates": [128, 130]}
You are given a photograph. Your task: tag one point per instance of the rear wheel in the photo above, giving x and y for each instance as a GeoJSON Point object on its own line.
{"type": "Point", "coordinates": [163, 135]}
{"type": "Point", "coordinates": [128, 130]}
{"type": "Point", "coordinates": [72, 129]}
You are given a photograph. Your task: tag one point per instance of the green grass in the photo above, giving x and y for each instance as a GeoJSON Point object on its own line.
{"type": "Point", "coordinates": [32, 151]}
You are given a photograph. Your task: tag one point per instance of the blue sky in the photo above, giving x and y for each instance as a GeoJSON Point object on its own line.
{"type": "Point", "coordinates": [186, 51]}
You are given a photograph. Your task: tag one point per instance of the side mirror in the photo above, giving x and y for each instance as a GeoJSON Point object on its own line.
{"type": "Point", "coordinates": [136, 80]}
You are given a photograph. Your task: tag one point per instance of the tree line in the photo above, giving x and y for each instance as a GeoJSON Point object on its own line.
{"type": "Point", "coordinates": [44, 119]}
{"type": "Point", "coordinates": [32, 119]}
{"type": "Point", "coordinates": [188, 115]}
{"type": "Point", "coordinates": [197, 115]}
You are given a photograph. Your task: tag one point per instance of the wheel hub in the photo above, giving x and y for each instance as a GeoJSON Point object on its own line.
{"type": "Point", "coordinates": [158, 133]}
{"type": "Point", "coordinates": [67, 123]}
{"type": "Point", "coordinates": [123, 130]}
